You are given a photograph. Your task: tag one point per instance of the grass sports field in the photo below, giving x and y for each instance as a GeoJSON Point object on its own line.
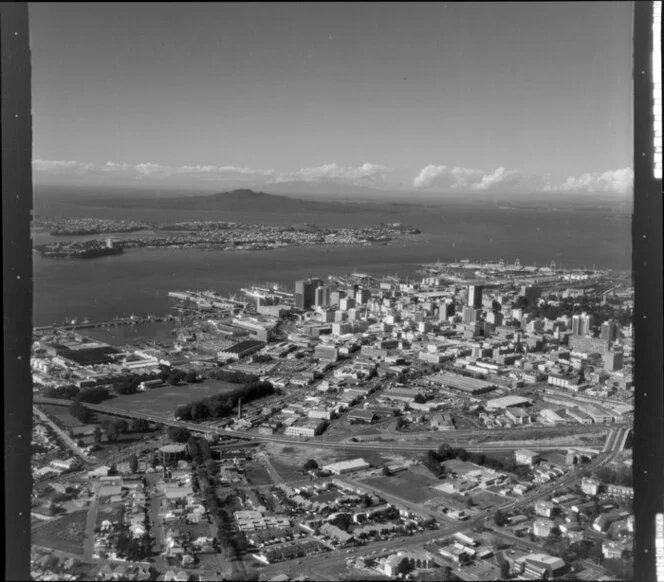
{"type": "Point", "coordinates": [165, 400]}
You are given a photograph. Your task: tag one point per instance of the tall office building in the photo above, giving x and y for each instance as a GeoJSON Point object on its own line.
{"type": "Point", "coordinates": [445, 310]}
{"type": "Point", "coordinates": [610, 331]}
{"type": "Point", "coordinates": [322, 296]}
{"type": "Point", "coordinates": [346, 303]}
{"type": "Point", "coordinates": [495, 317]}
{"type": "Point", "coordinates": [475, 296]}
{"type": "Point", "coordinates": [335, 297]}
{"type": "Point", "coordinates": [362, 296]}
{"type": "Point", "coordinates": [581, 324]}
{"type": "Point", "coordinates": [613, 360]}
{"type": "Point", "coordinates": [305, 292]}
{"type": "Point", "coordinates": [470, 315]}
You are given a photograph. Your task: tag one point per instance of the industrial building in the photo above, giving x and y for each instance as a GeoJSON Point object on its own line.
{"type": "Point", "coordinates": [347, 466]}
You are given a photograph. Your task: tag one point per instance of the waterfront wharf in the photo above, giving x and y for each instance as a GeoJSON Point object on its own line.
{"type": "Point", "coordinates": [109, 323]}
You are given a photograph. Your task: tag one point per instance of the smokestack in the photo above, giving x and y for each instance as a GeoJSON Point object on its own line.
{"type": "Point", "coordinates": [239, 409]}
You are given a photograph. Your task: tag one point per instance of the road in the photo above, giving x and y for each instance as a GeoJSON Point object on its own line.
{"type": "Point", "coordinates": [66, 439]}
{"type": "Point", "coordinates": [323, 440]}
{"type": "Point", "coordinates": [157, 530]}
{"type": "Point", "coordinates": [537, 547]}
{"type": "Point", "coordinates": [337, 559]}
{"type": "Point", "coordinates": [88, 546]}
{"type": "Point", "coordinates": [277, 479]}
{"type": "Point", "coordinates": [416, 508]}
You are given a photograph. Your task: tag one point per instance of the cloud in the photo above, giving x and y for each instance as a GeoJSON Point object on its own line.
{"type": "Point", "coordinates": [434, 178]}
{"type": "Point", "coordinates": [367, 174]}
{"type": "Point", "coordinates": [442, 177]}
{"type": "Point", "coordinates": [504, 181]}
{"type": "Point", "coordinates": [616, 181]}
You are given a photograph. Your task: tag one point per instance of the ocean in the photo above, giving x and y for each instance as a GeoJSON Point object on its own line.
{"type": "Point", "coordinates": [138, 281]}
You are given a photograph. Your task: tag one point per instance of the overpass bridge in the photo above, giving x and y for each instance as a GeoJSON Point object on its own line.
{"type": "Point", "coordinates": [403, 445]}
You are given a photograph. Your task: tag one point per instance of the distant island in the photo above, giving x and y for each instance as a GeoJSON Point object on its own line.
{"type": "Point", "coordinates": [243, 200]}
{"type": "Point", "coordinates": [232, 236]}
{"type": "Point", "coordinates": [74, 226]}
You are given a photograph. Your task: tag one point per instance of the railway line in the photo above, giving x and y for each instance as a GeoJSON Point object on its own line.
{"type": "Point", "coordinates": [384, 445]}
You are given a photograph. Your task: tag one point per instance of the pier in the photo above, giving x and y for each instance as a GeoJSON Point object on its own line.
{"type": "Point", "coordinates": [110, 323]}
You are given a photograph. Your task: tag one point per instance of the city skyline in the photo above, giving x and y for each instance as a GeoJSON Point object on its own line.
{"type": "Point", "coordinates": [500, 98]}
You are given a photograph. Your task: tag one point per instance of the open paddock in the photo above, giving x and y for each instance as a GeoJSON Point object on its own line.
{"type": "Point", "coordinates": [460, 467]}
{"type": "Point", "coordinates": [66, 534]}
{"type": "Point", "coordinates": [288, 460]}
{"type": "Point", "coordinates": [61, 416]}
{"type": "Point", "coordinates": [413, 485]}
{"type": "Point", "coordinates": [256, 474]}
{"type": "Point", "coordinates": [485, 499]}
{"type": "Point", "coordinates": [165, 400]}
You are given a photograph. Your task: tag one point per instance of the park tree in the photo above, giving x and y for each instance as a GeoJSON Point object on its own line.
{"type": "Point", "coordinates": [111, 428]}
{"type": "Point", "coordinates": [404, 567]}
{"type": "Point", "coordinates": [499, 518]}
{"type": "Point", "coordinates": [198, 411]}
{"type": "Point", "coordinates": [310, 465]}
{"type": "Point", "coordinates": [122, 426]}
{"type": "Point", "coordinates": [211, 467]}
{"type": "Point", "coordinates": [192, 447]}
{"type": "Point", "coordinates": [204, 447]}
{"type": "Point", "coordinates": [97, 435]}
{"type": "Point", "coordinates": [140, 425]}
{"type": "Point", "coordinates": [342, 521]}
{"type": "Point", "coordinates": [183, 412]}
{"type": "Point", "coordinates": [178, 434]}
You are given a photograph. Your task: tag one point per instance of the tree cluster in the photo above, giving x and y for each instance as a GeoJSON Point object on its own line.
{"type": "Point", "coordinates": [343, 521]}
{"type": "Point", "coordinates": [223, 404]}
{"type": "Point", "coordinates": [310, 465]}
{"type": "Point", "coordinates": [231, 376]}
{"type": "Point", "coordinates": [94, 395]}
{"type": "Point", "coordinates": [65, 392]}
{"type": "Point", "coordinates": [616, 476]}
{"type": "Point", "coordinates": [499, 518]}
{"type": "Point", "coordinates": [432, 462]}
{"type": "Point", "coordinates": [134, 550]}
{"type": "Point", "coordinates": [178, 434]}
{"type": "Point", "coordinates": [129, 384]}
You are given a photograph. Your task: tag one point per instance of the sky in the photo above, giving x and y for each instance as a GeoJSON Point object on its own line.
{"type": "Point", "coordinates": [420, 97]}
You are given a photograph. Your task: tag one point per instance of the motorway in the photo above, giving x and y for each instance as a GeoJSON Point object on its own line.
{"type": "Point", "coordinates": [322, 442]}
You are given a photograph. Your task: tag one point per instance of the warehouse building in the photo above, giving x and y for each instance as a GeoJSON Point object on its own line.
{"type": "Point", "coordinates": [462, 383]}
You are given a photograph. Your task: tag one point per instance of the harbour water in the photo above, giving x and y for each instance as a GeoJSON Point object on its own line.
{"type": "Point", "coordinates": [138, 281]}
